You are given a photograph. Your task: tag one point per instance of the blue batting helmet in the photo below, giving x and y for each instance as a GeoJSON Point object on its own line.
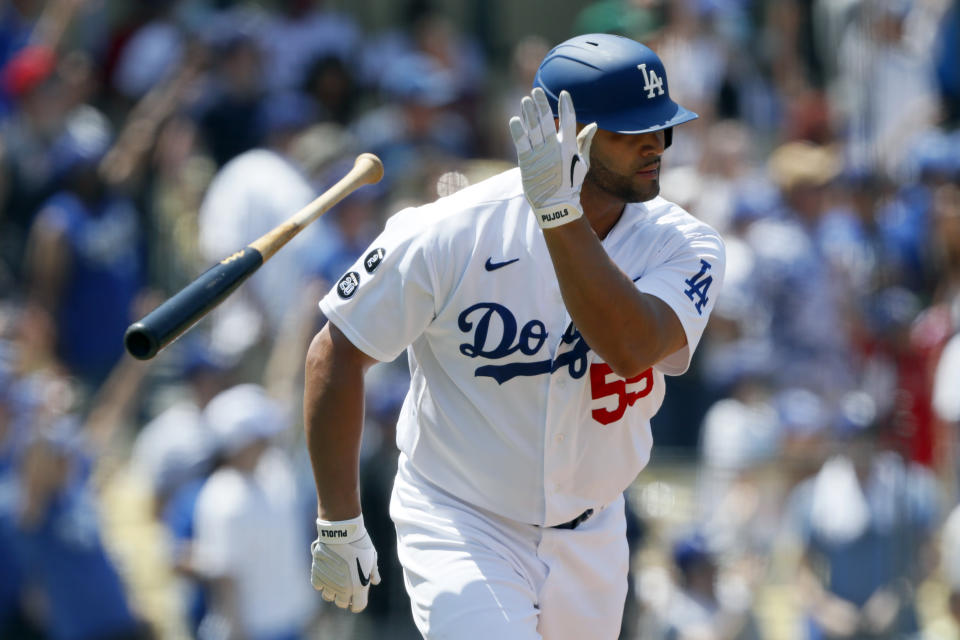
{"type": "Point", "coordinates": [614, 81]}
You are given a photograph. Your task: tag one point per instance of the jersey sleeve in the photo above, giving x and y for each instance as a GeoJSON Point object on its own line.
{"type": "Point", "coordinates": [386, 299]}
{"type": "Point", "coordinates": [689, 282]}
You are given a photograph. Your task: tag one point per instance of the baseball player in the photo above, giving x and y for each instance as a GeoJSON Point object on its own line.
{"type": "Point", "coordinates": [540, 310]}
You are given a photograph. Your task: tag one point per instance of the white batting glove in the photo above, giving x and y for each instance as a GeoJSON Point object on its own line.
{"type": "Point", "coordinates": [552, 164]}
{"type": "Point", "coordinates": [344, 563]}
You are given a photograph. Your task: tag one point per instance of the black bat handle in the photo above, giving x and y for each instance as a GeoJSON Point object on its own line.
{"type": "Point", "coordinates": [144, 339]}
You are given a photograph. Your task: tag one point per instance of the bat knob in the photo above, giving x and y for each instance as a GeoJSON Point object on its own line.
{"type": "Point", "coordinates": [372, 167]}
{"type": "Point", "coordinates": [140, 341]}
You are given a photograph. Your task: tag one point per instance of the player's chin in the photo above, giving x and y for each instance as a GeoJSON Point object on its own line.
{"type": "Point", "coordinates": [647, 190]}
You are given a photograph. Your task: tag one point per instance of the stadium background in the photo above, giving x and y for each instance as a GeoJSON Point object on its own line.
{"type": "Point", "coordinates": [804, 472]}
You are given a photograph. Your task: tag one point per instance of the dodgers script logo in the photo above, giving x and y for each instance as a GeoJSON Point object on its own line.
{"type": "Point", "coordinates": [529, 339]}
{"type": "Point", "coordinates": [483, 319]}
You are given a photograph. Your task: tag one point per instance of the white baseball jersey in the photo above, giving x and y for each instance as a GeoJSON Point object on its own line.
{"type": "Point", "coordinates": [508, 407]}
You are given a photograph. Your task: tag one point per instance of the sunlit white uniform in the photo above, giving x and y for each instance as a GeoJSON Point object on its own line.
{"type": "Point", "coordinates": [509, 411]}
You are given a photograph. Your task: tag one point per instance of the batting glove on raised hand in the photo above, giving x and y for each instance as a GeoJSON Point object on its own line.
{"type": "Point", "coordinates": [552, 164]}
{"type": "Point", "coordinates": [344, 563]}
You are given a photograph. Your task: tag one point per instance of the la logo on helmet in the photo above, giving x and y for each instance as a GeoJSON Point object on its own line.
{"type": "Point", "coordinates": [651, 81]}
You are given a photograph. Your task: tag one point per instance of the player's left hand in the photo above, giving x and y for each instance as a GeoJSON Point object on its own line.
{"type": "Point", "coordinates": [553, 163]}
{"type": "Point", "coordinates": [344, 563]}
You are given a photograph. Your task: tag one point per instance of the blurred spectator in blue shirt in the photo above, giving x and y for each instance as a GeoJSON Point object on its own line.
{"type": "Point", "coordinates": [302, 32]}
{"type": "Point", "coordinates": [696, 610]}
{"type": "Point", "coordinates": [865, 522]}
{"type": "Point", "coordinates": [58, 539]}
{"type": "Point", "coordinates": [418, 124]}
{"type": "Point", "coordinates": [230, 115]}
{"type": "Point", "coordinates": [794, 282]}
{"type": "Point", "coordinates": [85, 253]}
{"type": "Point", "coordinates": [26, 135]}
{"type": "Point", "coordinates": [16, 23]}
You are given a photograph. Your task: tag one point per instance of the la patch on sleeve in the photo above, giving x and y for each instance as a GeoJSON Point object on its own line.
{"type": "Point", "coordinates": [698, 286]}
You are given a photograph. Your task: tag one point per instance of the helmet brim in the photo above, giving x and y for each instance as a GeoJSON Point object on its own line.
{"type": "Point", "coordinates": [640, 120]}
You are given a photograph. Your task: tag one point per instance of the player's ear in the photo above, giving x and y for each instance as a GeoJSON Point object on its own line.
{"type": "Point", "coordinates": [585, 135]}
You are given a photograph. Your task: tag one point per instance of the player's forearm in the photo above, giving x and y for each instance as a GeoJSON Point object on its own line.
{"type": "Point", "coordinates": [333, 420]}
{"type": "Point", "coordinates": [629, 330]}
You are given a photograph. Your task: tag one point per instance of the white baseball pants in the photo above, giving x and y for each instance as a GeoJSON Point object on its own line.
{"type": "Point", "coordinates": [472, 574]}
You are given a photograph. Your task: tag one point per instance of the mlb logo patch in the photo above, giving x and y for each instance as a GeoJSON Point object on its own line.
{"type": "Point", "coordinates": [348, 285]}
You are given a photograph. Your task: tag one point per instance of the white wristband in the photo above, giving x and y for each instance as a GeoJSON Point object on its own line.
{"type": "Point", "coordinates": [341, 531]}
{"type": "Point", "coordinates": [556, 215]}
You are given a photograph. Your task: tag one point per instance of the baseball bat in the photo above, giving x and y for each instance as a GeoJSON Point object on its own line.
{"type": "Point", "coordinates": [145, 338]}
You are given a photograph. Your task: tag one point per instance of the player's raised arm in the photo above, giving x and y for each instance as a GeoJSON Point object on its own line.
{"type": "Point", "coordinates": [579, 180]}
{"type": "Point", "coordinates": [630, 330]}
{"type": "Point", "coordinates": [344, 559]}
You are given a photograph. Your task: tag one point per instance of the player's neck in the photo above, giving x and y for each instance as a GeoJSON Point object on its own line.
{"type": "Point", "coordinates": [602, 209]}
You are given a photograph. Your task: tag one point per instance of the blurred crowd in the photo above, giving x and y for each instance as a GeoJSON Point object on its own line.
{"type": "Point", "coordinates": [804, 481]}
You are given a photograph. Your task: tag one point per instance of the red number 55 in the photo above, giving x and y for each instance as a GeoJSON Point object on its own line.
{"type": "Point", "coordinates": [602, 387]}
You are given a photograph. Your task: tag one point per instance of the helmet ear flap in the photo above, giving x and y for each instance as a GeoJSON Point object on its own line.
{"type": "Point", "coordinates": [667, 137]}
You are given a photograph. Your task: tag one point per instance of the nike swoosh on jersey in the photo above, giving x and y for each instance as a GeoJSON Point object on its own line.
{"type": "Point", "coordinates": [364, 580]}
{"type": "Point", "coordinates": [490, 265]}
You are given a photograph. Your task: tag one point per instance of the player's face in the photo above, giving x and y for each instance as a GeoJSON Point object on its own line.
{"type": "Point", "coordinates": [627, 166]}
